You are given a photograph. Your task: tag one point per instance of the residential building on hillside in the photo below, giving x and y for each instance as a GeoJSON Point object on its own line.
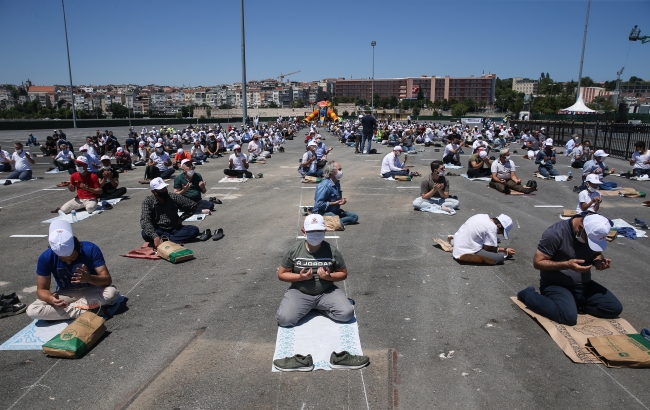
{"type": "Point", "coordinates": [525, 85]}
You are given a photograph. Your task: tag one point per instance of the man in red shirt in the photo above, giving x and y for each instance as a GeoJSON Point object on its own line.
{"type": "Point", "coordinates": [87, 186]}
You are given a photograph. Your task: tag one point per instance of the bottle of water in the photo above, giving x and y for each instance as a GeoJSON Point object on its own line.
{"type": "Point", "coordinates": [74, 216]}
{"type": "Point", "coordinates": [244, 177]}
{"type": "Point", "coordinates": [570, 174]}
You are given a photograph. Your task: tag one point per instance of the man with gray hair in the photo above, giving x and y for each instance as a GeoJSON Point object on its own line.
{"type": "Point", "coordinates": [329, 198]}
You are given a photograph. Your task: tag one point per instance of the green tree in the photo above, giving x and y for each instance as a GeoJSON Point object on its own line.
{"type": "Point", "coordinates": [118, 110]}
{"type": "Point", "coordinates": [458, 109]}
{"type": "Point", "coordinates": [272, 104]}
{"type": "Point", "coordinates": [587, 82]}
{"type": "Point", "coordinates": [221, 107]}
{"type": "Point", "coordinates": [416, 111]}
{"type": "Point", "coordinates": [420, 95]}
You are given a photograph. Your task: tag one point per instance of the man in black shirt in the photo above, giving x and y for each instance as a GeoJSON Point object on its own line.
{"type": "Point", "coordinates": [565, 255]}
{"type": "Point", "coordinates": [49, 148]}
{"type": "Point", "coordinates": [109, 180]}
{"type": "Point", "coordinates": [369, 124]}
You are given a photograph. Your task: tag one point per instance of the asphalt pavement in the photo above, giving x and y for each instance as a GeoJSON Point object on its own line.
{"type": "Point", "coordinates": [201, 335]}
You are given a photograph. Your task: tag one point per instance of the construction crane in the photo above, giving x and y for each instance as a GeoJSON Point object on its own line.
{"type": "Point", "coordinates": [635, 35]}
{"type": "Point", "coordinates": [281, 76]}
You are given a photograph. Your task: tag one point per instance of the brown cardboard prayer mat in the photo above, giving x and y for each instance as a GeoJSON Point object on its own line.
{"type": "Point", "coordinates": [573, 339]}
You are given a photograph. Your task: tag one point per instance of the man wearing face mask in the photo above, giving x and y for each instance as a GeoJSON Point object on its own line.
{"type": "Point", "coordinates": [64, 159]}
{"type": "Point", "coordinates": [640, 160]}
{"type": "Point", "coordinates": [329, 198]}
{"type": "Point", "coordinates": [312, 266]}
{"type": "Point", "coordinates": [504, 178]}
{"type": "Point", "coordinates": [391, 165]}
{"type": "Point", "coordinates": [109, 180]}
{"type": "Point", "coordinates": [597, 167]}
{"type": "Point", "coordinates": [160, 216]}
{"type": "Point", "coordinates": [22, 162]}
{"type": "Point", "coordinates": [237, 164]}
{"type": "Point", "coordinates": [434, 191]}
{"type": "Point", "coordinates": [191, 185]}
{"type": "Point", "coordinates": [83, 281]}
{"type": "Point", "coordinates": [589, 199]}
{"type": "Point", "coordinates": [159, 165]}
{"type": "Point", "coordinates": [565, 255]}
{"type": "Point", "coordinates": [86, 185]}
{"type": "Point", "coordinates": [545, 159]}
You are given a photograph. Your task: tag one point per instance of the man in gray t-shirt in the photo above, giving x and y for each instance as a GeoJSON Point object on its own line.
{"type": "Point", "coordinates": [312, 266]}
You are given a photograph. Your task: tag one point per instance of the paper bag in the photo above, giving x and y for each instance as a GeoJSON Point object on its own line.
{"type": "Point", "coordinates": [313, 180]}
{"type": "Point", "coordinates": [631, 350]}
{"type": "Point", "coordinates": [568, 213]}
{"type": "Point", "coordinates": [77, 338]}
{"type": "Point", "coordinates": [333, 223]}
{"type": "Point", "coordinates": [445, 245]}
{"type": "Point", "coordinates": [402, 178]}
{"type": "Point", "coordinates": [174, 252]}
{"type": "Point", "coordinates": [613, 233]}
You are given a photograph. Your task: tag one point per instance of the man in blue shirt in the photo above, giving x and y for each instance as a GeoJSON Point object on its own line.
{"type": "Point", "coordinates": [545, 159]}
{"type": "Point", "coordinates": [597, 166]}
{"type": "Point", "coordinates": [82, 279]}
{"type": "Point", "coordinates": [329, 198]}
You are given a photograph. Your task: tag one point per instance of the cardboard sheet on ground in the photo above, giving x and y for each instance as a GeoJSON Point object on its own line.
{"type": "Point", "coordinates": [81, 215]}
{"type": "Point", "coordinates": [626, 192]}
{"type": "Point", "coordinates": [573, 339]}
{"type": "Point", "coordinates": [228, 179]}
{"type": "Point", "coordinates": [35, 335]}
{"type": "Point", "coordinates": [319, 336]}
{"type": "Point", "coordinates": [486, 179]}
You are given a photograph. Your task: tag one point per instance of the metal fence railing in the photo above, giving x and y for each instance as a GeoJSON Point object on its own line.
{"type": "Point", "coordinates": [617, 139]}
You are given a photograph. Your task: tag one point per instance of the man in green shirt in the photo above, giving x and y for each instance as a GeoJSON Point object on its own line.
{"type": "Point", "coordinates": [190, 184]}
{"type": "Point", "coordinates": [312, 266]}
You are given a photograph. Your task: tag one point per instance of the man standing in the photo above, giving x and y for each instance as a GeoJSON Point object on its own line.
{"type": "Point", "coordinates": [311, 267]}
{"type": "Point", "coordinates": [545, 159]}
{"type": "Point", "coordinates": [476, 240]}
{"type": "Point", "coordinates": [86, 184]}
{"type": "Point", "coordinates": [329, 197]}
{"type": "Point", "coordinates": [504, 178]}
{"type": "Point", "coordinates": [565, 255]}
{"type": "Point", "coordinates": [369, 124]}
{"type": "Point", "coordinates": [434, 190]}
{"type": "Point", "coordinates": [391, 165]}
{"type": "Point", "coordinates": [160, 216]}
{"type": "Point", "coordinates": [83, 281]}
{"type": "Point", "coordinates": [22, 162]}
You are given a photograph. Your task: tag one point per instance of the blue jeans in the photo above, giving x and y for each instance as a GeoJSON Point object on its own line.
{"type": "Point", "coordinates": [22, 175]}
{"type": "Point", "coordinates": [607, 186]}
{"type": "Point", "coordinates": [184, 234]}
{"type": "Point", "coordinates": [347, 218]}
{"type": "Point", "coordinates": [547, 172]}
{"type": "Point", "coordinates": [5, 167]}
{"type": "Point", "coordinates": [317, 173]}
{"type": "Point", "coordinates": [366, 137]}
{"type": "Point", "coordinates": [203, 204]}
{"type": "Point", "coordinates": [167, 174]}
{"type": "Point", "coordinates": [638, 172]}
{"type": "Point", "coordinates": [394, 174]}
{"type": "Point", "coordinates": [562, 304]}
{"type": "Point", "coordinates": [203, 157]}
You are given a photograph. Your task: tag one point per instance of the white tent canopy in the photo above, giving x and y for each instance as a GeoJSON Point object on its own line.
{"type": "Point", "coordinates": [578, 108]}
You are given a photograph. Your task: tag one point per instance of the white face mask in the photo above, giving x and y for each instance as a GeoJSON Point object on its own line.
{"type": "Point", "coordinates": [189, 172]}
{"type": "Point", "coordinates": [159, 150]}
{"type": "Point", "coordinates": [315, 238]}
{"type": "Point", "coordinates": [80, 169]}
{"type": "Point", "coordinates": [591, 189]}
{"type": "Point", "coordinates": [441, 173]}
{"type": "Point", "coordinates": [339, 174]}
{"type": "Point", "coordinates": [19, 151]}
{"type": "Point", "coordinates": [107, 167]}
{"type": "Point", "coordinates": [508, 158]}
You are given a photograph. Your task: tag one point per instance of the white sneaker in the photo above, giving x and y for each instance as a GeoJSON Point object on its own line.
{"type": "Point", "coordinates": [390, 179]}
{"type": "Point", "coordinates": [365, 152]}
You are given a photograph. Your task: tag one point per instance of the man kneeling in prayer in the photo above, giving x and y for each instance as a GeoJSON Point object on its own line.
{"type": "Point", "coordinates": [82, 278]}
{"type": "Point", "coordinates": [312, 266]}
{"type": "Point", "coordinates": [476, 240]}
{"type": "Point", "coordinates": [565, 255]}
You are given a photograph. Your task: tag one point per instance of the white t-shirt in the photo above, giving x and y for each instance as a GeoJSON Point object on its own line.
{"type": "Point", "coordinates": [64, 156]}
{"type": "Point", "coordinates": [639, 159]}
{"type": "Point", "coordinates": [586, 197]}
{"type": "Point", "coordinates": [478, 144]}
{"type": "Point", "coordinates": [22, 163]}
{"type": "Point", "coordinates": [576, 152]}
{"type": "Point", "coordinates": [503, 170]}
{"type": "Point", "coordinates": [254, 148]}
{"type": "Point", "coordinates": [237, 161]}
{"type": "Point", "coordinates": [4, 157]}
{"type": "Point", "coordinates": [159, 160]}
{"type": "Point", "coordinates": [477, 231]}
{"type": "Point", "coordinates": [306, 157]}
{"type": "Point", "coordinates": [391, 163]}
{"type": "Point", "coordinates": [448, 149]}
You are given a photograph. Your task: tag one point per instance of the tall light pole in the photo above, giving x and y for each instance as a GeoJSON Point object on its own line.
{"type": "Point", "coordinates": [582, 58]}
{"type": "Point", "coordinates": [65, 26]}
{"type": "Point", "coordinates": [372, 98]}
{"type": "Point", "coordinates": [243, 67]}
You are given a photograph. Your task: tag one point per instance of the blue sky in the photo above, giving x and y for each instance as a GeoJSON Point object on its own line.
{"type": "Point", "coordinates": [198, 42]}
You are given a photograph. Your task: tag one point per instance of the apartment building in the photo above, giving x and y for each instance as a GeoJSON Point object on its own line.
{"type": "Point", "coordinates": [525, 85]}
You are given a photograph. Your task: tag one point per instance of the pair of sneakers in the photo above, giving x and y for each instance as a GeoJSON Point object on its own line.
{"type": "Point", "coordinates": [342, 360]}
{"type": "Point", "coordinates": [10, 305]}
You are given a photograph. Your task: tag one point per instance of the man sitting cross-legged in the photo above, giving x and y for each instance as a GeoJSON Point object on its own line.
{"type": "Point", "coordinates": [312, 266]}
{"type": "Point", "coordinates": [237, 164]}
{"type": "Point", "coordinates": [504, 178]}
{"type": "Point", "coordinates": [191, 185]}
{"type": "Point", "coordinates": [79, 270]}
{"type": "Point", "coordinates": [329, 198]}
{"type": "Point", "coordinates": [86, 185]}
{"type": "Point", "coordinates": [434, 191]}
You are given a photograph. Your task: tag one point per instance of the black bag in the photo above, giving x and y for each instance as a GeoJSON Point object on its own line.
{"type": "Point", "coordinates": [531, 184]}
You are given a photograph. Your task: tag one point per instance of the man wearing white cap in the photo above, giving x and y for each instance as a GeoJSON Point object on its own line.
{"type": "Point", "coordinates": [504, 177]}
{"type": "Point", "coordinates": [309, 164]}
{"type": "Point", "coordinates": [479, 165]}
{"type": "Point", "coordinates": [312, 266]}
{"type": "Point", "coordinates": [159, 165]}
{"type": "Point", "coordinates": [237, 164]}
{"type": "Point", "coordinates": [123, 159]}
{"type": "Point", "coordinates": [545, 159]}
{"type": "Point", "coordinates": [79, 270]}
{"type": "Point", "coordinates": [86, 185]}
{"type": "Point", "coordinates": [589, 199]}
{"type": "Point", "coordinates": [391, 165]}
{"type": "Point", "coordinates": [597, 167]}
{"type": "Point", "coordinates": [476, 240]}
{"type": "Point", "coordinates": [109, 181]}
{"type": "Point", "coordinates": [160, 216]}
{"type": "Point", "coordinates": [565, 255]}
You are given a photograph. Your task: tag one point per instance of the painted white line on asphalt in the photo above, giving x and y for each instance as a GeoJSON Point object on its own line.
{"type": "Point", "coordinates": [308, 187]}
{"type": "Point", "coordinates": [408, 187]}
{"type": "Point", "coordinates": [4, 283]}
{"type": "Point", "coordinates": [55, 189]}
{"type": "Point", "coordinates": [372, 160]}
{"type": "Point", "coordinates": [327, 237]}
{"type": "Point", "coordinates": [222, 188]}
{"type": "Point", "coordinates": [28, 236]}
{"type": "Point", "coordinates": [549, 206]}
{"type": "Point", "coordinates": [138, 188]}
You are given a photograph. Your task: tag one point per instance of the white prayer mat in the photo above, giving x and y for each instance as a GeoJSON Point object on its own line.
{"type": "Point", "coordinates": [13, 181]}
{"type": "Point", "coordinates": [486, 179]}
{"type": "Point", "coordinates": [195, 217]}
{"type": "Point", "coordinates": [452, 166]}
{"type": "Point", "coordinates": [227, 179]}
{"type": "Point", "coordinates": [620, 223]}
{"type": "Point", "coordinates": [55, 171]}
{"type": "Point", "coordinates": [81, 215]}
{"type": "Point", "coordinates": [319, 336]}
{"type": "Point", "coordinates": [35, 335]}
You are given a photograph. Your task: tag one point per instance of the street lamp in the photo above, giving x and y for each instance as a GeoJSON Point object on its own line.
{"type": "Point", "coordinates": [372, 98]}
{"type": "Point", "coordinates": [243, 67]}
{"type": "Point", "coordinates": [65, 26]}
